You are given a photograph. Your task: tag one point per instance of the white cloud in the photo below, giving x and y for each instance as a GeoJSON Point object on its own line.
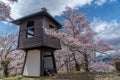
{"type": "Point", "coordinates": [98, 25]}
{"type": "Point", "coordinates": [101, 2]}
{"type": "Point", "coordinates": [5, 1]}
{"type": "Point", "coordinates": [108, 31]}
{"type": "Point", "coordinates": [55, 7]}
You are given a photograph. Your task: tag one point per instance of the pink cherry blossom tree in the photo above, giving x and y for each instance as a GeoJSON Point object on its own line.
{"type": "Point", "coordinates": [77, 41]}
{"type": "Point", "coordinates": [11, 60]}
{"type": "Point", "coordinates": [5, 10]}
{"type": "Point", "coordinates": [101, 66]}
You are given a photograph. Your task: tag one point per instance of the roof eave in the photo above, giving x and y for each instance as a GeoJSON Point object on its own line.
{"type": "Point", "coordinates": [18, 21]}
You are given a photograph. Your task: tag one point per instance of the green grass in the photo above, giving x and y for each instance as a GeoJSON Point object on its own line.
{"type": "Point", "coordinates": [12, 78]}
{"type": "Point", "coordinates": [72, 76]}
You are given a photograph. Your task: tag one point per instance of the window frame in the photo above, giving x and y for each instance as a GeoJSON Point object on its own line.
{"type": "Point", "coordinates": [30, 31]}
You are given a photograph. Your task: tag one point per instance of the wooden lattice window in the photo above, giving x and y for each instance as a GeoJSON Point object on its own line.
{"type": "Point", "coordinates": [30, 29]}
{"type": "Point", "coordinates": [30, 32]}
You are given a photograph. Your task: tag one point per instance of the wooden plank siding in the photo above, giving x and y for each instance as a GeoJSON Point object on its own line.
{"type": "Point", "coordinates": [40, 39]}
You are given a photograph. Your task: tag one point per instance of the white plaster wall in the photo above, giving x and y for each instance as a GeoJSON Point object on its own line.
{"type": "Point", "coordinates": [32, 64]}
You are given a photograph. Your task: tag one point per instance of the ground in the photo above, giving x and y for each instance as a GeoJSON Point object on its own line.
{"type": "Point", "coordinates": [73, 76]}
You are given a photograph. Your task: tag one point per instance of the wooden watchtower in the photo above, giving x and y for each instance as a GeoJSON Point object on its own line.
{"type": "Point", "coordinates": [39, 46]}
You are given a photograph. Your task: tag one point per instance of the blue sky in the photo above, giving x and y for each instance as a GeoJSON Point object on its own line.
{"type": "Point", "coordinates": [107, 11]}
{"type": "Point", "coordinates": [104, 15]}
{"type": "Point", "coordinates": [8, 28]}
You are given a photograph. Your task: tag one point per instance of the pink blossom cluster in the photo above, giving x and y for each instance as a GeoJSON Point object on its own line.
{"type": "Point", "coordinates": [5, 10]}
{"type": "Point", "coordinates": [77, 36]}
{"type": "Point", "coordinates": [101, 66]}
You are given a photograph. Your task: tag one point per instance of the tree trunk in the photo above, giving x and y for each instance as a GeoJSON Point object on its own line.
{"type": "Point", "coordinates": [77, 66]}
{"type": "Point", "coordinates": [117, 65]}
{"type": "Point", "coordinates": [66, 64]}
{"type": "Point", "coordinates": [4, 65]}
{"type": "Point", "coordinates": [86, 67]}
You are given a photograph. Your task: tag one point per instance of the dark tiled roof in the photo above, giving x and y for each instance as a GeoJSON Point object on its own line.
{"type": "Point", "coordinates": [43, 13]}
